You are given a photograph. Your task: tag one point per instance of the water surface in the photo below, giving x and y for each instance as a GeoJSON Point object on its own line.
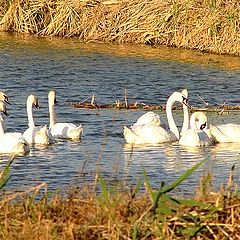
{"type": "Point", "coordinates": [76, 71]}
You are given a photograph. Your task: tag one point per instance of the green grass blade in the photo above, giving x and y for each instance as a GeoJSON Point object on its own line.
{"type": "Point", "coordinates": [5, 174]}
{"type": "Point", "coordinates": [169, 188]}
{"type": "Point", "coordinates": [189, 172]}
{"type": "Point", "coordinates": [148, 187]}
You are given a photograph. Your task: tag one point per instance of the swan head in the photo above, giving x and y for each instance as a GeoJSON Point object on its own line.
{"type": "Point", "coordinates": [3, 108]}
{"type": "Point", "coordinates": [198, 121]}
{"type": "Point", "coordinates": [4, 97]}
{"type": "Point", "coordinates": [181, 97]}
{"type": "Point", "coordinates": [185, 97]}
{"type": "Point", "coordinates": [33, 100]}
{"type": "Point", "coordinates": [52, 97]}
{"type": "Point", "coordinates": [185, 93]}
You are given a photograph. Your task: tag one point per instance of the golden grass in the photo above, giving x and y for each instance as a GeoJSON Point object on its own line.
{"type": "Point", "coordinates": [210, 25]}
{"type": "Point", "coordinates": [84, 214]}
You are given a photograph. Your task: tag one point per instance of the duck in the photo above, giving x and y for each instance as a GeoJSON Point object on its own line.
{"type": "Point", "coordinates": [154, 134]}
{"type": "Point", "coordinates": [34, 134]}
{"type": "Point", "coordinates": [59, 130]}
{"type": "Point", "coordinates": [11, 142]}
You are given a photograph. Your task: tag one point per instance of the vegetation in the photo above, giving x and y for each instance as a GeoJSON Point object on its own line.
{"type": "Point", "coordinates": [110, 214]}
{"type": "Point", "coordinates": [206, 25]}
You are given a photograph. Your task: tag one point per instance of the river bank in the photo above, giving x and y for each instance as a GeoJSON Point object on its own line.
{"type": "Point", "coordinates": [209, 26]}
{"type": "Point", "coordinates": [110, 214]}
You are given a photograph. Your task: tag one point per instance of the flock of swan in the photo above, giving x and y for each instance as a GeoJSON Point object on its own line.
{"type": "Point", "coordinates": [195, 132]}
{"type": "Point", "coordinates": [148, 129]}
{"type": "Point", "coordinates": [19, 143]}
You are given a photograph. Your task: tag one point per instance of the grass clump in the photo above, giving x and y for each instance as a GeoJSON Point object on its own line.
{"type": "Point", "coordinates": [110, 214]}
{"type": "Point", "coordinates": [210, 25]}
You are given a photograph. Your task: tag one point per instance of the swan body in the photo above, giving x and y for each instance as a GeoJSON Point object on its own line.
{"type": "Point", "coordinates": [196, 136]}
{"type": "Point", "coordinates": [225, 133]}
{"type": "Point", "coordinates": [34, 134]}
{"type": "Point", "coordinates": [11, 142]}
{"type": "Point", "coordinates": [61, 130]}
{"type": "Point", "coordinates": [152, 133]}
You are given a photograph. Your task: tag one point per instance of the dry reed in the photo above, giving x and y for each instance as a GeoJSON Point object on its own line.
{"type": "Point", "coordinates": [210, 25]}
{"type": "Point", "coordinates": [85, 214]}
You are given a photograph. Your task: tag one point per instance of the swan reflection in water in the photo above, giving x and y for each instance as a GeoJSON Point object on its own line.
{"type": "Point", "coordinates": [169, 161]}
{"type": "Point", "coordinates": [172, 157]}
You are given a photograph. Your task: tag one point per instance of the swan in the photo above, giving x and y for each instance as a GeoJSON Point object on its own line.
{"type": "Point", "coordinates": [152, 134]}
{"type": "Point", "coordinates": [196, 134]}
{"type": "Point", "coordinates": [34, 135]}
{"type": "Point", "coordinates": [61, 130]}
{"type": "Point", "coordinates": [225, 133]}
{"type": "Point", "coordinates": [11, 142]}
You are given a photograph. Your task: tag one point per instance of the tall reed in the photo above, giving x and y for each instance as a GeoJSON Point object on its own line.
{"type": "Point", "coordinates": [209, 25]}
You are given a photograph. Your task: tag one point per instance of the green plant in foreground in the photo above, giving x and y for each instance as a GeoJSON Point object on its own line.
{"type": "Point", "coordinates": [4, 175]}
{"type": "Point", "coordinates": [164, 207]}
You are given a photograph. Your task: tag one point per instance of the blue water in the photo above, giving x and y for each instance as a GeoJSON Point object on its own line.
{"type": "Point", "coordinates": [76, 71]}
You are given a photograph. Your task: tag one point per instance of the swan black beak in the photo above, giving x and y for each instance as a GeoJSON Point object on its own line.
{"type": "Point", "coordinates": [185, 102]}
{"type": "Point", "coordinates": [36, 105]}
{"type": "Point", "coordinates": [5, 113]}
{"type": "Point", "coordinates": [6, 100]}
{"type": "Point", "coordinates": [203, 126]}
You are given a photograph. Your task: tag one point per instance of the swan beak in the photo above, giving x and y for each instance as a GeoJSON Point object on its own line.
{"type": "Point", "coordinates": [6, 100]}
{"type": "Point", "coordinates": [36, 105]}
{"type": "Point", "coordinates": [203, 126]}
{"type": "Point", "coordinates": [5, 113]}
{"type": "Point", "coordinates": [185, 102]}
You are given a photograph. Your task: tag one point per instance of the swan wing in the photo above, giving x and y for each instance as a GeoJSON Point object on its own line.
{"type": "Point", "coordinates": [147, 134]}
{"type": "Point", "coordinates": [66, 131]}
{"type": "Point", "coordinates": [13, 143]}
{"type": "Point", "coordinates": [150, 118]}
{"type": "Point", "coordinates": [36, 135]}
{"type": "Point", "coordinates": [225, 133]}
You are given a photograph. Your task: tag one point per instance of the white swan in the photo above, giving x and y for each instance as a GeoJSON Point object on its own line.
{"type": "Point", "coordinates": [34, 135]}
{"type": "Point", "coordinates": [195, 135]}
{"type": "Point", "coordinates": [61, 130]}
{"type": "Point", "coordinates": [225, 133]}
{"type": "Point", "coordinates": [152, 134]}
{"type": "Point", "coordinates": [11, 142]}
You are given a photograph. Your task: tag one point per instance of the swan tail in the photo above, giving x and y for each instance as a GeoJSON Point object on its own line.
{"type": "Point", "coordinates": [76, 133]}
{"type": "Point", "coordinates": [41, 136]}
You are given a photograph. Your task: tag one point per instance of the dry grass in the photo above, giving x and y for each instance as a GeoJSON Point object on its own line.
{"type": "Point", "coordinates": [210, 25]}
{"type": "Point", "coordinates": [83, 214]}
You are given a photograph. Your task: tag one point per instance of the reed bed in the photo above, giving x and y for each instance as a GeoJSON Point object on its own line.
{"type": "Point", "coordinates": [209, 25]}
{"type": "Point", "coordinates": [110, 214]}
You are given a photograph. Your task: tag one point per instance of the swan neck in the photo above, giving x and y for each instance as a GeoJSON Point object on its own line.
{"type": "Point", "coordinates": [1, 126]}
{"type": "Point", "coordinates": [52, 114]}
{"type": "Point", "coordinates": [171, 122]}
{"type": "Point", "coordinates": [185, 126]}
{"type": "Point", "coordinates": [30, 115]}
{"type": "Point", "coordinates": [193, 124]}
